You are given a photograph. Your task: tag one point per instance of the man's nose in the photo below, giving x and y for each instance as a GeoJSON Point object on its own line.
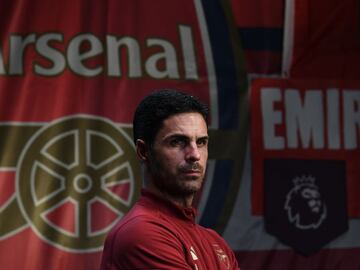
{"type": "Point", "coordinates": [192, 152]}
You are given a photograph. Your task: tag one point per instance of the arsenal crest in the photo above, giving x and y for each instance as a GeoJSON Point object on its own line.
{"type": "Point", "coordinates": [305, 202]}
{"type": "Point", "coordinates": [222, 256]}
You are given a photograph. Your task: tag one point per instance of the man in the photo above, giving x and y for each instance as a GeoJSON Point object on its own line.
{"type": "Point", "coordinates": [159, 232]}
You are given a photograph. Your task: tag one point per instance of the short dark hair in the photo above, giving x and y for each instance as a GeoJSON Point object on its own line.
{"type": "Point", "coordinates": [159, 105]}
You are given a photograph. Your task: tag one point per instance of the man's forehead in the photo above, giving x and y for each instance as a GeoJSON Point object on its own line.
{"type": "Point", "coordinates": [185, 119]}
{"type": "Point", "coordinates": [186, 116]}
{"type": "Point", "coordinates": [184, 123]}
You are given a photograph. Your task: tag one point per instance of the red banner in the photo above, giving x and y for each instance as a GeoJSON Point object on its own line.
{"type": "Point", "coordinates": [260, 26]}
{"type": "Point", "coordinates": [71, 75]}
{"type": "Point", "coordinates": [97, 41]}
{"type": "Point", "coordinates": [300, 119]}
{"type": "Point", "coordinates": [326, 43]}
{"type": "Point", "coordinates": [305, 141]}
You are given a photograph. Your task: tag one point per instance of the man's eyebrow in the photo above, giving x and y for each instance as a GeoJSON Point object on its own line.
{"type": "Point", "coordinates": [176, 135]}
{"type": "Point", "coordinates": [183, 136]}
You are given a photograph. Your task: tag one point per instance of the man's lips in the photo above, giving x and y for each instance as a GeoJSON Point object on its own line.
{"type": "Point", "coordinates": [195, 167]}
{"type": "Point", "coordinates": [192, 172]}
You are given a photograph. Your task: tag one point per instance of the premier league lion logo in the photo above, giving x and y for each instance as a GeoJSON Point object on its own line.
{"type": "Point", "coordinates": [299, 207]}
{"type": "Point", "coordinates": [304, 205]}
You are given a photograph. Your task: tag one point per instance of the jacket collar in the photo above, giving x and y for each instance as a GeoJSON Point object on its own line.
{"type": "Point", "coordinates": [164, 205]}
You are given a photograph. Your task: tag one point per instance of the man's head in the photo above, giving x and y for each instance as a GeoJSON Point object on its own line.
{"type": "Point", "coordinates": [171, 137]}
{"type": "Point", "coordinates": [155, 108]}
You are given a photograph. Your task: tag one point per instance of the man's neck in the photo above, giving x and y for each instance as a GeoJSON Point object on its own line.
{"type": "Point", "coordinates": [180, 201]}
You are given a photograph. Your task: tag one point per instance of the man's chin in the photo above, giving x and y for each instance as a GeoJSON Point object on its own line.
{"type": "Point", "coordinates": [192, 179]}
{"type": "Point", "coordinates": [181, 187]}
{"type": "Point", "coordinates": [191, 186]}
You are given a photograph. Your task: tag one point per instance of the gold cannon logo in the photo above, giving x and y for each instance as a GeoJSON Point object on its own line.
{"type": "Point", "coordinates": [74, 178]}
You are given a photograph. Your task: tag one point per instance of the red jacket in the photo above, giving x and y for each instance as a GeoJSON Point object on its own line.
{"type": "Point", "coordinates": [157, 234]}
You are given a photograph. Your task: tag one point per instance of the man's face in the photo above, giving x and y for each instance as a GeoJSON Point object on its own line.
{"type": "Point", "coordinates": [179, 154]}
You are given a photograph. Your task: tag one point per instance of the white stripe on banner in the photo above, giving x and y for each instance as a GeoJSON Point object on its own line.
{"type": "Point", "coordinates": [288, 38]}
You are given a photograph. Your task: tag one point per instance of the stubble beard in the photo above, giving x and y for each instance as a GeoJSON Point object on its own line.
{"type": "Point", "coordinates": [175, 185]}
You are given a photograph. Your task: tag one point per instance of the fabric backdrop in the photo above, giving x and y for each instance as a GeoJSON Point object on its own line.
{"type": "Point", "coordinates": [72, 73]}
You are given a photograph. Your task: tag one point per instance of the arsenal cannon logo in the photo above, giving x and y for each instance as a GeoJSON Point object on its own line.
{"type": "Point", "coordinates": [68, 173]}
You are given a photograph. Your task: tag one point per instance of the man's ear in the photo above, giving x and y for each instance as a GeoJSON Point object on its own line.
{"type": "Point", "coordinates": [142, 150]}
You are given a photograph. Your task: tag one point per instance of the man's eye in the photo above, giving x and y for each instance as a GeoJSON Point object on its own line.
{"type": "Point", "coordinates": [177, 142]}
{"type": "Point", "coordinates": [202, 142]}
